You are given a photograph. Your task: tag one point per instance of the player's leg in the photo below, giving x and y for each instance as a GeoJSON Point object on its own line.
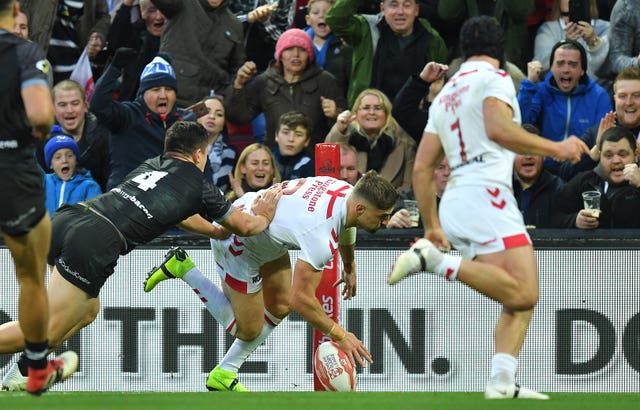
{"type": "Point", "coordinates": [178, 264]}
{"type": "Point", "coordinates": [29, 253]}
{"type": "Point", "coordinates": [70, 309]}
{"type": "Point", "coordinates": [276, 288]}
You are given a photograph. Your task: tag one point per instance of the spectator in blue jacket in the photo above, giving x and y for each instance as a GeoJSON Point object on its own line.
{"type": "Point", "coordinates": [67, 183]}
{"type": "Point", "coordinates": [567, 101]}
{"type": "Point", "coordinates": [137, 127]}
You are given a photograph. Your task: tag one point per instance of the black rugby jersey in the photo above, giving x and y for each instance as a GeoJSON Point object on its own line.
{"type": "Point", "coordinates": [157, 195]}
{"type": "Point", "coordinates": [22, 62]}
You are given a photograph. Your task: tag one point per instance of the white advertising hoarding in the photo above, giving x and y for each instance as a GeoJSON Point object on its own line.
{"type": "Point", "coordinates": [425, 334]}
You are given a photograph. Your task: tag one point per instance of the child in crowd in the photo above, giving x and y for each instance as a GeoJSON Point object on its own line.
{"type": "Point", "coordinates": [332, 54]}
{"type": "Point", "coordinates": [66, 184]}
{"type": "Point", "coordinates": [222, 158]}
{"type": "Point", "coordinates": [293, 136]}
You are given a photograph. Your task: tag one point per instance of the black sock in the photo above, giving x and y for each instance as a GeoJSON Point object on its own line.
{"type": "Point", "coordinates": [35, 355]}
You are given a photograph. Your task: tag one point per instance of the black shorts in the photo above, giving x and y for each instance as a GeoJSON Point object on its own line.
{"type": "Point", "coordinates": [21, 182]}
{"type": "Point", "coordinates": [84, 247]}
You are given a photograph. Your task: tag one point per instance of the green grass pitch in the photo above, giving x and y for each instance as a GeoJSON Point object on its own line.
{"type": "Point", "coordinates": [310, 401]}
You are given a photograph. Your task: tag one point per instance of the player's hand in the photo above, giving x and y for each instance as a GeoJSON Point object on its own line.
{"type": "Point", "coordinates": [438, 238]}
{"type": "Point", "coordinates": [244, 74]}
{"type": "Point", "coordinates": [265, 204]}
{"type": "Point", "coordinates": [348, 277]}
{"type": "Point", "coordinates": [632, 174]}
{"type": "Point", "coordinates": [355, 350]}
{"type": "Point", "coordinates": [401, 219]}
{"type": "Point", "coordinates": [587, 219]}
{"type": "Point", "coordinates": [571, 149]}
{"type": "Point", "coordinates": [433, 71]}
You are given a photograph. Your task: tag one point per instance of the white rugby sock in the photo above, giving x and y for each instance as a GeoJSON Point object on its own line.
{"type": "Point", "coordinates": [213, 298]}
{"type": "Point", "coordinates": [503, 369]}
{"type": "Point", "coordinates": [241, 349]}
{"type": "Point", "coordinates": [448, 267]}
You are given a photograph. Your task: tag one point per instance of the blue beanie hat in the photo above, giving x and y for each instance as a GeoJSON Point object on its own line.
{"type": "Point", "coordinates": [58, 142]}
{"type": "Point", "coordinates": [158, 73]}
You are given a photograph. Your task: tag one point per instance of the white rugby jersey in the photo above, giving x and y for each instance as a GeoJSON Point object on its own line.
{"type": "Point", "coordinates": [310, 215]}
{"type": "Point", "coordinates": [456, 117]}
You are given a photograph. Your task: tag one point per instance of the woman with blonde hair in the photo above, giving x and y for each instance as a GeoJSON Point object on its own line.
{"type": "Point", "coordinates": [381, 143]}
{"type": "Point", "coordinates": [255, 169]}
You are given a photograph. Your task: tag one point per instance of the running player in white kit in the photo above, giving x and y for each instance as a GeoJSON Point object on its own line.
{"type": "Point", "coordinates": [318, 215]}
{"type": "Point", "coordinates": [475, 122]}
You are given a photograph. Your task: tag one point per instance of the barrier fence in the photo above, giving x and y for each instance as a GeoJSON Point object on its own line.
{"type": "Point", "coordinates": [425, 334]}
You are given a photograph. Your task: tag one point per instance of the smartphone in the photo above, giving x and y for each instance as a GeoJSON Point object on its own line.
{"type": "Point", "coordinates": [579, 10]}
{"type": "Point", "coordinates": [199, 109]}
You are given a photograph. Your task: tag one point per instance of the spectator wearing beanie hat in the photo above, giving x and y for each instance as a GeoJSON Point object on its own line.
{"type": "Point", "coordinates": [293, 82]}
{"type": "Point", "coordinates": [137, 127]}
{"type": "Point", "coordinates": [67, 183]}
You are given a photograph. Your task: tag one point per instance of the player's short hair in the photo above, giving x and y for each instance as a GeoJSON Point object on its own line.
{"type": "Point", "coordinates": [482, 35]}
{"type": "Point", "coordinates": [295, 119]}
{"type": "Point", "coordinates": [629, 73]}
{"type": "Point", "coordinates": [376, 190]}
{"type": "Point", "coordinates": [615, 134]}
{"type": "Point", "coordinates": [184, 137]}
{"type": "Point", "coordinates": [68, 85]}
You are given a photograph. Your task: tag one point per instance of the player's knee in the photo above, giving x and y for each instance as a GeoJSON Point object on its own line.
{"type": "Point", "coordinates": [525, 300]}
{"type": "Point", "coordinates": [248, 334]}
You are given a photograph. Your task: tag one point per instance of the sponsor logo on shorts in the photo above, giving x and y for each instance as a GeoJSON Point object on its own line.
{"type": "Point", "coordinates": [73, 273]}
{"type": "Point", "coordinates": [18, 221]}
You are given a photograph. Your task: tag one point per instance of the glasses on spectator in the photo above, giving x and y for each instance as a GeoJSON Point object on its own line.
{"type": "Point", "coordinates": [376, 108]}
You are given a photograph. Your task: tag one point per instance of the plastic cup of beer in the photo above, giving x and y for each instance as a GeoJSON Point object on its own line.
{"type": "Point", "coordinates": [414, 212]}
{"type": "Point", "coordinates": [591, 200]}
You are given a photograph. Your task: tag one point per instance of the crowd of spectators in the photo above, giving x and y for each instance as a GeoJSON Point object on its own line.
{"type": "Point", "coordinates": [361, 73]}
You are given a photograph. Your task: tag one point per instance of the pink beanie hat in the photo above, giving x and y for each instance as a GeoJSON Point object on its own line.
{"type": "Point", "coordinates": [294, 38]}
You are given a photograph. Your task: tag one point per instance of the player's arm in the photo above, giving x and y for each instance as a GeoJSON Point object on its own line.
{"type": "Point", "coordinates": [197, 224]}
{"type": "Point", "coordinates": [428, 156]}
{"type": "Point", "coordinates": [500, 128]}
{"type": "Point", "coordinates": [38, 106]}
{"type": "Point", "coordinates": [306, 279]}
{"type": "Point", "coordinates": [347, 249]}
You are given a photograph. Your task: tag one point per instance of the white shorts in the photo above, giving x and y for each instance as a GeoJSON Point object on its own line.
{"type": "Point", "coordinates": [238, 262]}
{"type": "Point", "coordinates": [481, 220]}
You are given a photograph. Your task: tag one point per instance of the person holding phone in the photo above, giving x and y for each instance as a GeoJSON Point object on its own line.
{"type": "Point", "coordinates": [591, 32]}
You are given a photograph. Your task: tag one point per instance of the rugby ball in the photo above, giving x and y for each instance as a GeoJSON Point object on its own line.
{"type": "Point", "coordinates": [333, 368]}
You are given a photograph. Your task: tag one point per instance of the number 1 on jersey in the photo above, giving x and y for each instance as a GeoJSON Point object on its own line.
{"type": "Point", "coordinates": [456, 126]}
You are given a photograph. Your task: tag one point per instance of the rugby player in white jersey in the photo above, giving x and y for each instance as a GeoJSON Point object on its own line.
{"type": "Point", "coordinates": [318, 215]}
{"type": "Point", "coordinates": [475, 122]}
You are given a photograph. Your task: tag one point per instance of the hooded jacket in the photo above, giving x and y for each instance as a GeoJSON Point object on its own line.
{"type": "Point", "coordinates": [559, 115]}
{"type": "Point", "coordinates": [137, 133]}
{"type": "Point", "coordinates": [80, 187]}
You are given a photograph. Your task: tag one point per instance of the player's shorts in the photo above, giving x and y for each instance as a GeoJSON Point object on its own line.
{"type": "Point", "coordinates": [21, 181]}
{"type": "Point", "coordinates": [482, 220]}
{"type": "Point", "coordinates": [84, 247]}
{"type": "Point", "coordinates": [238, 265]}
